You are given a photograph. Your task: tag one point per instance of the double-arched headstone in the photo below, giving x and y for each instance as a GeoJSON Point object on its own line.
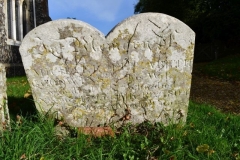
{"type": "Point", "coordinates": [140, 71]}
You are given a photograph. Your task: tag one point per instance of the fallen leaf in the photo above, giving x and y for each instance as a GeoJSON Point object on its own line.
{"type": "Point", "coordinates": [172, 158]}
{"type": "Point", "coordinates": [210, 152]}
{"type": "Point", "coordinates": [23, 156]}
{"type": "Point", "coordinates": [97, 131]}
{"type": "Point", "coordinates": [202, 148]}
{"type": "Point", "coordinates": [27, 95]}
{"type": "Point", "coordinates": [18, 121]}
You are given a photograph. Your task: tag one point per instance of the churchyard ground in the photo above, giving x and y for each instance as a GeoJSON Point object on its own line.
{"type": "Point", "coordinates": [209, 133]}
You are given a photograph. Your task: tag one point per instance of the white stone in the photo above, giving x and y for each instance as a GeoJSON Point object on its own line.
{"type": "Point", "coordinates": [148, 54]}
{"type": "Point", "coordinates": [4, 113]}
{"type": "Point", "coordinates": [114, 55]}
{"type": "Point", "coordinates": [141, 70]}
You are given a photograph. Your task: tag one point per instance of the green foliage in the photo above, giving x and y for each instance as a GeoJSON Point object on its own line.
{"type": "Point", "coordinates": [208, 134]}
{"type": "Point", "coordinates": [211, 20]}
{"type": "Point", "coordinates": [227, 68]}
{"type": "Point", "coordinates": [161, 6]}
{"type": "Point", "coordinates": [16, 88]}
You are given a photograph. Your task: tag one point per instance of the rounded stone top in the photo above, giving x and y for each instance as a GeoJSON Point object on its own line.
{"type": "Point", "coordinates": [140, 71]}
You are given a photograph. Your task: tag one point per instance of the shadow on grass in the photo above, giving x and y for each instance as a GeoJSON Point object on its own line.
{"type": "Point", "coordinates": [21, 106]}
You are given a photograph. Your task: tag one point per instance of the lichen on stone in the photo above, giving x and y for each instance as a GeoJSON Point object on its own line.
{"type": "Point", "coordinates": [4, 112]}
{"type": "Point", "coordinates": [140, 71]}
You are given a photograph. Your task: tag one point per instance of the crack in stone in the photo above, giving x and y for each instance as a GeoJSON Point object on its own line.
{"type": "Point", "coordinates": [154, 24]}
{"type": "Point", "coordinates": [129, 41]}
{"type": "Point", "coordinates": [137, 81]}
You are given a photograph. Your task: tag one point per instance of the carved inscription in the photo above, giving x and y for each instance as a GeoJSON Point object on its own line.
{"type": "Point", "coordinates": [140, 71]}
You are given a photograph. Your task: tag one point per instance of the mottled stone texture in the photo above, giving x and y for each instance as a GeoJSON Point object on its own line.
{"type": "Point", "coordinates": [140, 71]}
{"type": "Point", "coordinates": [4, 114]}
{"type": "Point", "coordinates": [4, 49]}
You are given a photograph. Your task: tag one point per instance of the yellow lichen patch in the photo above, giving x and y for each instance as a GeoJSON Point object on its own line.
{"type": "Point", "coordinates": [77, 29]}
{"type": "Point", "coordinates": [139, 66]}
{"type": "Point", "coordinates": [189, 52]}
{"type": "Point", "coordinates": [123, 37]}
{"type": "Point", "coordinates": [78, 101]}
{"type": "Point", "coordinates": [105, 82]}
{"type": "Point", "coordinates": [78, 113]}
{"type": "Point", "coordinates": [31, 50]}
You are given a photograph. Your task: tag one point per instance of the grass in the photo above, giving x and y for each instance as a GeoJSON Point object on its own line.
{"type": "Point", "coordinates": [207, 134]}
{"type": "Point", "coordinates": [16, 88]}
{"type": "Point", "coordinates": [227, 68]}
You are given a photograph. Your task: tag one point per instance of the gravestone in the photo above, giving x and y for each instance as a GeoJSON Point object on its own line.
{"type": "Point", "coordinates": [140, 71]}
{"type": "Point", "coordinates": [4, 114]}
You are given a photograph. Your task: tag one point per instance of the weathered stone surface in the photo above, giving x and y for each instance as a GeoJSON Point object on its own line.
{"type": "Point", "coordinates": [4, 56]}
{"type": "Point", "coordinates": [4, 114]}
{"type": "Point", "coordinates": [140, 71]}
{"type": "Point", "coordinates": [4, 49]}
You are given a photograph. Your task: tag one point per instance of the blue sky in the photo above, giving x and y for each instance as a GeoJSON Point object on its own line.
{"type": "Point", "coordinates": [101, 14]}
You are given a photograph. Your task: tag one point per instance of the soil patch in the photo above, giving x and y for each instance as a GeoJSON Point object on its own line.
{"type": "Point", "coordinates": [224, 95]}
